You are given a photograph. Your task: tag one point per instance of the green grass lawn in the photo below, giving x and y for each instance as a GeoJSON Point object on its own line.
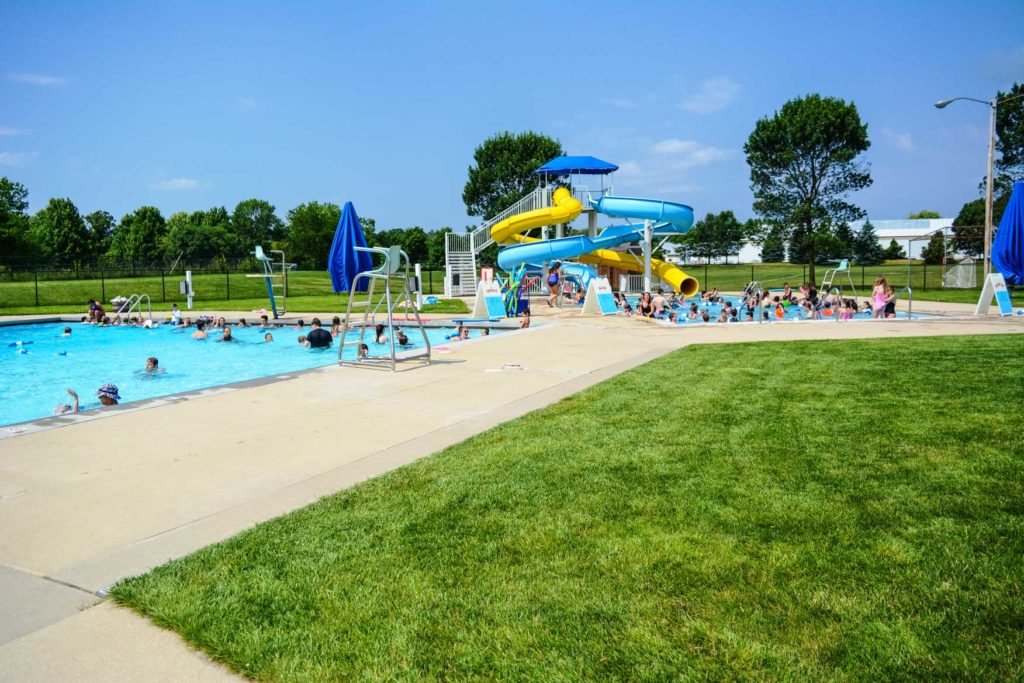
{"type": "Point", "coordinates": [799, 510]}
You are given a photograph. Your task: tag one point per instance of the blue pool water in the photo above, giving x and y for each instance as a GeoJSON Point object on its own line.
{"type": "Point", "coordinates": [34, 383]}
{"type": "Point", "coordinates": [792, 312]}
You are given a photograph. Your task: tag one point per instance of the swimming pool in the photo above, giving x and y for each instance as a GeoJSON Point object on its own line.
{"type": "Point", "coordinates": [35, 376]}
{"type": "Point", "coordinates": [791, 313]}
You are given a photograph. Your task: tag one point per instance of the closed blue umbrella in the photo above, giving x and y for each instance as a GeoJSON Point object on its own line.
{"type": "Point", "coordinates": [344, 262]}
{"type": "Point", "coordinates": [1008, 246]}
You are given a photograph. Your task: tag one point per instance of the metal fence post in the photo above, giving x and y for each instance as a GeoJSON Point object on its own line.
{"type": "Point", "coordinates": [163, 286]}
{"type": "Point", "coordinates": [924, 280]}
{"type": "Point", "coordinates": [35, 274]}
{"type": "Point", "coordinates": [862, 276]}
{"type": "Point", "coordinates": [227, 279]}
{"type": "Point", "coordinates": [803, 276]}
{"type": "Point", "coordinates": [706, 285]}
{"type": "Point", "coordinates": [103, 287]}
{"type": "Point", "coordinates": [751, 272]}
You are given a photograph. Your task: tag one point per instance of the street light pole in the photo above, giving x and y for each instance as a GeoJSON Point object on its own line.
{"type": "Point", "coordinates": [988, 188]}
{"type": "Point", "coordinates": [992, 104]}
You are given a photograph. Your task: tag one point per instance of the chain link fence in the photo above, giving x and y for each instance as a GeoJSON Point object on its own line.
{"type": "Point", "coordinates": [238, 279]}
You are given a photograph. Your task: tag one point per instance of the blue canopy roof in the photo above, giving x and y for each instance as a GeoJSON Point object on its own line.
{"type": "Point", "coordinates": [343, 261]}
{"type": "Point", "coordinates": [1008, 246]}
{"type": "Point", "coordinates": [576, 165]}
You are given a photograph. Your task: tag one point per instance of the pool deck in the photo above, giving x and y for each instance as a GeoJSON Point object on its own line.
{"type": "Point", "coordinates": [91, 502]}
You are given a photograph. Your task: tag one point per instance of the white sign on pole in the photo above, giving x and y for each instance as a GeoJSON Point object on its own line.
{"type": "Point", "coordinates": [995, 285]}
{"type": "Point", "coordinates": [599, 299]}
{"type": "Point", "coordinates": [489, 302]}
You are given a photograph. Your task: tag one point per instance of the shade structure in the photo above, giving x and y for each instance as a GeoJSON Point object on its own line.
{"type": "Point", "coordinates": [583, 165]}
{"type": "Point", "coordinates": [1008, 246]}
{"type": "Point", "coordinates": [344, 262]}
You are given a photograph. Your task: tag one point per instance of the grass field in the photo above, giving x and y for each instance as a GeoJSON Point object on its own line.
{"type": "Point", "coordinates": [794, 511]}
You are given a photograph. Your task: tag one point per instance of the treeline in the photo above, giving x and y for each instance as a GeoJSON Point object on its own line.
{"type": "Point", "coordinates": [721, 235]}
{"type": "Point", "coordinates": [58, 234]}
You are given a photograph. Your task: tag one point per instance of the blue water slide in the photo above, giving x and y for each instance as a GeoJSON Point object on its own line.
{"type": "Point", "coordinates": [679, 215]}
{"type": "Point", "coordinates": [566, 247]}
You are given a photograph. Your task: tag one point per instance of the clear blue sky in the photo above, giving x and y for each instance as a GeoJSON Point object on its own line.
{"type": "Point", "coordinates": [187, 105]}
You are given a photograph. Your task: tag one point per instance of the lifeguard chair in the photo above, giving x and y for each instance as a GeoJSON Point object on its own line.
{"type": "Point", "coordinates": [842, 267]}
{"type": "Point", "coordinates": [393, 270]}
{"type": "Point", "coordinates": [275, 274]}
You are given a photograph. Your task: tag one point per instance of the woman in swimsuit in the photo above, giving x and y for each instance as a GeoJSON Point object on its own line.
{"type": "Point", "coordinates": [645, 306]}
{"type": "Point", "coordinates": [554, 279]}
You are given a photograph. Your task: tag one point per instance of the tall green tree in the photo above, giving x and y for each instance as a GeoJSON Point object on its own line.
{"type": "Point", "coordinates": [935, 251]}
{"type": "Point", "coordinates": [717, 235]}
{"type": "Point", "coordinates": [1010, 136]}
{"type": "Point", "coordinates": [866, 249]}
{"type": "Point", "coordinates": [894, 251]}
{"type": "Point", "coordinates": [101, 231]}
{"type": "Point", "coordinates": [924, 214]}
{"type": "Point", "coordinates": [311, 229]}
{"type": "Point", "coordinates": [803, 164]}
{"type": "Point", "coordinates": [968, 226]}
{"type": "Point", "coordinates": [503, 170]}
{"type": "Point", "coordinates": [369, 226]}
{"type": "Point", "coordinates": [14, 221]}
{"type": "Point", "coordinates": [60, 232]}
{"type": "Point", "coordinates": [254, 221]}
{"type": "Point", "coordinates": [139, 235]}
{"type": "Point", "coordinates": [435, 246]}
{"type": "Point", "coordinates": [196, 238]}
{"type": "Point", "coordinates": [773, 248]}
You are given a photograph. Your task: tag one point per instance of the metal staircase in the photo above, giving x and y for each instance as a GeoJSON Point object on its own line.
{"type": "Point", "coordinates": [460, 250]}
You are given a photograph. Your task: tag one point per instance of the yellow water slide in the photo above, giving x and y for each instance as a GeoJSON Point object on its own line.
{"type": "Point", "coordinates": [565, 208]}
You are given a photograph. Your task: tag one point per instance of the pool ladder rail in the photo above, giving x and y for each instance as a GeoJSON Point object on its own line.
{"type": "Point", "coordinates": [388, 270]}
{"type": "Point", "coordinates": [134, 303]}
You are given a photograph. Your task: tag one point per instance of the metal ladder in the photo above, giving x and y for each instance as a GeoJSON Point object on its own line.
{"type": "Point", "coordinates": [393, 257]}
{"type": "Point", "coordinates": [275, 274]}
{"type": "Point", "coordinates": [134, 303]}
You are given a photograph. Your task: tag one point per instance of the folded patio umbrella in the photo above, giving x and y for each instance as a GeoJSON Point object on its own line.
{"type": "Point", "coordinates": [1008, 246]}
{"type": "Point", "coordinates": [344, 262]}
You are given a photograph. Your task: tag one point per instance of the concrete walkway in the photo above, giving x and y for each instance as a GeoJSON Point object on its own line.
{"type": "Point", "coordinates": [85, 505]}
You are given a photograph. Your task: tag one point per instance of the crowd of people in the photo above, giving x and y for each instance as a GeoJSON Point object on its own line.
{"type": "Point", "coordinates": [804, 303]}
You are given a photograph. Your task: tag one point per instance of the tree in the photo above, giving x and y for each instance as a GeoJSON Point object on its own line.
{"type": "Point", "coordinates": [139, 235]}
{"type": "Point", "coordinates": [101, 231]}
{"type": "Point", "coordinates": [1010, 136]}
{"type": "Point", "coordinates": [195, 238]}
{"type": "Point", "coordinates": [310, 233]}
{"type": "Point", "coordinates": [803, 164]}
{"type": "Point", "coordinates": [968, 226]}
{"type": "Point", "coordinates": [848, 241]}
{"type": "Point", "coordinates": [935, 251]}
{"type": "Point", "coordinates": [866, 249]}
{"type": "Point", "coordinates": [435, 246]}
{"type": "Point", "coordinates": [369, 226]}
{"type": "Point", "coordinates": [893, 252]}
{"type": "Point", "coordinates": [14, 220]}
{"type": "Point", "coordinates": [503, 171]}
{"type": "Point", "coordinates": [254, 222]}
{"type": "Point", "coordinates": [773, 248]}
{"type": "Point", "coordinates": [60, 233]}
{"type": "Point", "coordinates": [924, 214]}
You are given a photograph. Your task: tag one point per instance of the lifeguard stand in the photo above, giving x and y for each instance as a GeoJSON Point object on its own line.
{"type": "Point", "coordinates": [275, 274]}
{"type": "Point", "coordinates": [842, 266]}
{"type": "Point", "coordinates": [388, 271]}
